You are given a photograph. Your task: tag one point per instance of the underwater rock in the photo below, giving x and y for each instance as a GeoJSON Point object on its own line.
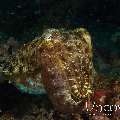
{"type": "Point", "coordinates": [7, 49]}
{"type": "Point", "coordinates": [61, 61]}
{"type": "Point", "coordinates": [100, 117]}
{"type": "Point", "coordinates": [12, 45]}
{"type": "Point", "coordinates": [116, 113]}
{"type": "Point", "coordinates": [7, 116]}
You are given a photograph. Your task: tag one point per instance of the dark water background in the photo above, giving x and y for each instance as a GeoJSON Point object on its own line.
{"type": "Point", "coordinates": [19, 16]}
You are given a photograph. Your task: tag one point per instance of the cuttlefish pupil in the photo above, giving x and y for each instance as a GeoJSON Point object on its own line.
{"type": "Point", "coordinates": [63, 60]}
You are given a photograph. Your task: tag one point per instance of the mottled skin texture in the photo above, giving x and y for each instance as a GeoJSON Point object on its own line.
{"type": "Point", "coordinates": [63, 59]}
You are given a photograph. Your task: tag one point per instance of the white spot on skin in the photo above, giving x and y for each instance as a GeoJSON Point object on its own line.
{"type": "Point", "coordinates": [74, 86]}
{"type": "Point", "coordinates": [76, 91]}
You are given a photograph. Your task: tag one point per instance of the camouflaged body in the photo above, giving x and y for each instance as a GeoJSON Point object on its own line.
{"type": "Point", "coordinates": [61, 61]}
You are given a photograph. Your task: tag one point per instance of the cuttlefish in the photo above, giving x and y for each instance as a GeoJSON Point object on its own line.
{"type": "Point", "coordinates": [60, 61]}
